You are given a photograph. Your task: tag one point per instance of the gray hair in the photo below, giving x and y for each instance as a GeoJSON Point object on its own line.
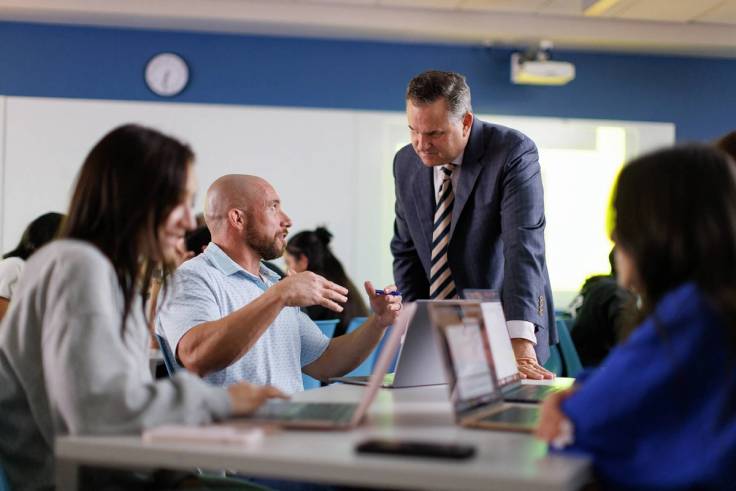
{"type": "Point", "coordinates": [429, 86]}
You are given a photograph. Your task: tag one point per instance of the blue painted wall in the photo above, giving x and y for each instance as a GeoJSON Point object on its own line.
{"type": "Point", "coordinates": [697, 94]}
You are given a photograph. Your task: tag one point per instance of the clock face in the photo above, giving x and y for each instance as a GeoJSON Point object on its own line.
{"type": "Point", "coordinates": [167, 74]}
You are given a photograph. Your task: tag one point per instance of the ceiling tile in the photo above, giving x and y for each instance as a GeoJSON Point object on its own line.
{"type": "Point", "coordinates": [562, 7]}
{"type": "Point", "coordinates": [429, 4]}
{"type": "Point", "coordinates": [343, 2]}
{"type": "Point", "coordinates": [725, 13]}
{"type": "Point", "coordinates": [667, 10]}
{"type": "Point", "coordinates": [521, 6]}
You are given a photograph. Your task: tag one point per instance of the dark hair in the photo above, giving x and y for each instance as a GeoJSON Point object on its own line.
{"type": "Point", "coordinates": [129, 183]}
{"type": "Point", "coordinates": [429, 86]}
{"type": "Point", "coordinates": [38, 233]}
{"type": "Point", "coordinates": [727, 143]}
{"type": "Point", "coordinates": [672, 239]}
{"type": "Point", "coordinates": [315, 246]}
{"type": "Point", "coordinates": [197, 239]}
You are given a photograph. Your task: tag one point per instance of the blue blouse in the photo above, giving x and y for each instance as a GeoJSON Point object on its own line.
{"type": "Point", "coordinates": [660, 412]}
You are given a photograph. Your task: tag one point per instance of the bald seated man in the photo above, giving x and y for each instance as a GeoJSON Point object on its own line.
{"type": "Point", "coordinates": [229, 318]}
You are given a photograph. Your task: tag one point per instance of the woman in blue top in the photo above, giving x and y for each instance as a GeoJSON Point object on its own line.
{"type": "Point", "coordinates": [660, 412]}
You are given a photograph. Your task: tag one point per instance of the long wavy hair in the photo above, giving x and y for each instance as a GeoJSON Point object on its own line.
{"type": "Point", "coordinates": [129, 183]}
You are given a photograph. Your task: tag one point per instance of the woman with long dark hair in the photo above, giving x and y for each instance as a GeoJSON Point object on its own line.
{"type": "Point", "coordinates": [310, 251]}
{"type": "Point", "coordinates": [660, 411]}
{"type": "Point", "coordinates": [74, 345]}
{"type": "Point", "coordinates": [37, 234]}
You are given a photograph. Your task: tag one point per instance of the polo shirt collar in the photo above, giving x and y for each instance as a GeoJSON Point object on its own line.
{"type": "Point", "coordinates": [227, 266]}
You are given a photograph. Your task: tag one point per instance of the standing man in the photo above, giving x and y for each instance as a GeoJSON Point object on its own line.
{"type": "Point", "coordinates": [470, 214]}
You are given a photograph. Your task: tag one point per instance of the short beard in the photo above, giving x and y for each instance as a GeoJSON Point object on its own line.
{"type": "Point", "coordinates": [266, 247]}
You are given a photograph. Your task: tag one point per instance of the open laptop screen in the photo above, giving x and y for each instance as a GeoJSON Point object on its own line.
{"type": "Point", "coordinates": [466, 354]}
{"type": "Point", "coordinates": [503, 353]}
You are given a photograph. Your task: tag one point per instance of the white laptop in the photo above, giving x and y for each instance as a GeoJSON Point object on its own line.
{"type": "Point", "coordinates": [419, 361]}
{"type": "Point", "coordinates": [338, 416]}
{"type": "Point", "coordinates": [504, 361]}
{"type": "Point", "coordinates": [476, 398]}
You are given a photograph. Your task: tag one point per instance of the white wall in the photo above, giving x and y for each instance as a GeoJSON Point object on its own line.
{"type": "Point", "coordinates": [327, 165]}
{"type": "Point", "coordinates": [330, 167]}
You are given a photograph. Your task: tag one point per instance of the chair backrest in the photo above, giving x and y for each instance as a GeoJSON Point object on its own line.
{"type": "Point", "coordinates": [309, 382]}
{"type": "Point", "coordinates": [570, 357]}
{"type": "Point", "coordinates": [554, 362]}
{"type": "Point", "coordinates": [327, 326]}
{"type": "Point", "coordinates": [364, 368]}
{"type": "Point", "coordinates": [4, 484]}
{"type": "Point", "coordinates": [328, 329]}
{"type": "Point", "coordinates": [169, 360]}
{"type": "Point", "coordinates": [355, 323]}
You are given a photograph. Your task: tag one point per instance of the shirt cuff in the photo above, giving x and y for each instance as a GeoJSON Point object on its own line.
{"type": "Point", "coordinates": [521, 329]}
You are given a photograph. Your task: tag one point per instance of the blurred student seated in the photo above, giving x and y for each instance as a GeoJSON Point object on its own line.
{"type": "Point", "coordinates": [73, 348]}
{"type": "Point", "coordinates": [310, 251]}
{"type": "Point", "coordinates": [598, 316]}
{"type": "Point", "coordinates": [39, 232]}
{"type": "Point", "coordinates": [660, 411]}
{"type": "Point", "coordinates": [229, 318]}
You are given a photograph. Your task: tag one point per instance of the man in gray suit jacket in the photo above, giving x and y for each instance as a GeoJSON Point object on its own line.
{"type": "Point", "coordinates": [470, 214]}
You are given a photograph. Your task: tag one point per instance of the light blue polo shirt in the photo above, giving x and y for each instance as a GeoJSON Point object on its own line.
{"type": "Point", "coordinates": [211, 286]}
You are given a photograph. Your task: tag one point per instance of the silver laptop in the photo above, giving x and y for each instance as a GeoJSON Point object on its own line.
{"type": "Point", "coordinates": [504, 360]}
{"type": "Point", "coordinates": [338, 416]}
{"type": "Point", "coordinates": [419, 362]}
{"type": "Point", "coordinates": [476, 398]}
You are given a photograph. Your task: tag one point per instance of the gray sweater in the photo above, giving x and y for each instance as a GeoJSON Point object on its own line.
{"type": "Point", "coordinates": [65, 368]}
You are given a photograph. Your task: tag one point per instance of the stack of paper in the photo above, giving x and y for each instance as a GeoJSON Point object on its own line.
{"type": "Point", "coordinates": [204, 434]}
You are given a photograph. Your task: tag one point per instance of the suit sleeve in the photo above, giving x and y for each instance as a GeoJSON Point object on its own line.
{"type": "Point", "coordinates": [409, 274]}
{"type": "Point", "coordinates": [522, 231]}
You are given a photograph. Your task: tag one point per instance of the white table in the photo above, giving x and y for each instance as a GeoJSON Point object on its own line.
{"type": "Point", "coordinates": [504, 461]}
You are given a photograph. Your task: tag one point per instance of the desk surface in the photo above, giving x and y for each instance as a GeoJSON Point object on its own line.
{"type": "Point", "coordinates": [504, 461]}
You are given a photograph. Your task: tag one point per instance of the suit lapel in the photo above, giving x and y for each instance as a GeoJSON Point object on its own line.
{"type": "Point", "coordinates": [423, 186]}
{"type": "Point", "coordinates": [469, 171]}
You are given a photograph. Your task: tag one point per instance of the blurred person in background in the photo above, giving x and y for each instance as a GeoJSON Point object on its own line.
{"type": "Point", "coordinates": [310, 251]}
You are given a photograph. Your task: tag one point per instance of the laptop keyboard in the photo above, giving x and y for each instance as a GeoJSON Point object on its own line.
{"type": "Point", "coordinates": [530, 393]}
{"type": "Point", "coordinates": [523, 415]}
{"type": "Point", "coordinates": [292, 411]}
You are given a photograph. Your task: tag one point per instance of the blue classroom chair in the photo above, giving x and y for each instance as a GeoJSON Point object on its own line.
{"type": "Point", "coordinates": [328, 326]}
{"type": "Point", "coordinates": [570, 358]}
{"type": "Point", "coordinates": [328, 329]}
{"type": "Point", "coordinates": [355, 323]}
{"type": "Point", "coordinates": [554, 362]}
{"type": "Point", "coordinates": [169, 359]}
{"type": "Point", "coordinates": [4, 484]}
{"type": "Point", "coordinates": [364, 368]}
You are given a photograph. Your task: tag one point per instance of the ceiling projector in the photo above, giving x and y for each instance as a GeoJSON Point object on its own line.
{"type": "Point", "coordinates": [536, 68]}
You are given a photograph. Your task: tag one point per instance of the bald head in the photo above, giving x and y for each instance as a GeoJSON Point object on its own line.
{"type": "Point", "coordinates": [232, 191]}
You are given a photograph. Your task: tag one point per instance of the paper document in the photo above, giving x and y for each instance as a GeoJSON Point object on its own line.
{"type": "Point", "coordinates": [204, 434]}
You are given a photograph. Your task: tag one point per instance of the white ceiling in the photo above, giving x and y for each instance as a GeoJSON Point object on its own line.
{"type": "Point", "coordinates": [701, 27]}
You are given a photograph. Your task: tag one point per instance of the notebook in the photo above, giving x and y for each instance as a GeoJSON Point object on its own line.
{"type": "Point", "coordinates": [338, 416]}
{"type": "Point", "coordinates": [475, 396]}
{"type": "Point", "coordinates": [419, 362]}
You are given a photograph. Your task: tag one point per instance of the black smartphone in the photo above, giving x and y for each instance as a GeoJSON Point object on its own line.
{"type": "Point", "coordinates": [416, 449]}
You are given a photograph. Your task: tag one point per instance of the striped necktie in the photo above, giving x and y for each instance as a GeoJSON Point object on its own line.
{"type": "Point", "coordinates": [441, 284]}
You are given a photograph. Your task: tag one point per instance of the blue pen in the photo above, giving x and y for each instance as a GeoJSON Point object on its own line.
{"type": "Point", "coordinates": [394, 294]}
